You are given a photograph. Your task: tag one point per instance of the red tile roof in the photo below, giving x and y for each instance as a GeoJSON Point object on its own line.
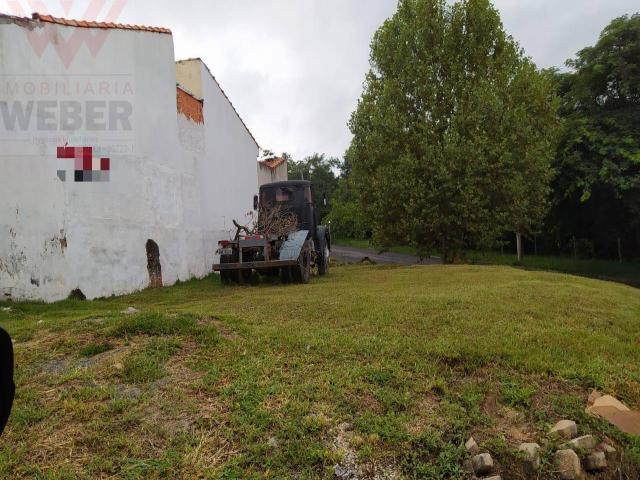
{"type": "Point", "coordinates": [88, 24]}
{"type": "Point", "coordinates": [273, 163]}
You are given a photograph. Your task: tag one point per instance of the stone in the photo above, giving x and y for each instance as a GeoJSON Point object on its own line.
{"type": "Point", "coordinates": [118, 366]}
{"type": "Point", "coordinates": [596, 462]}
{"type": "Point", "coordinates": [495, 477]}
{"type": "Point", "coordinates": [482, 464]}
{"type": "Point", "coordinates": [610, 453]}
{"type": "Point", "coordinates": [617, 414]}
{"type": "Point", "coordinates": [130, 311]}
{"type": "Point", "coordinates": [273, 442]}
{"type": "Point", "coordinates": [608, 401]}
{"type": "Point", "coordinates": [568, 465]}
{"type": "Point", "coordinates": [586, 442]}
{"type": "Point", "coordinates": [593, 396]}
{"type": "Point", "coordinates": [531, 454]}
{"type": "Point", "coordinates": [472, 446]}
{"type": "Point", "coordinates": [565, 429]}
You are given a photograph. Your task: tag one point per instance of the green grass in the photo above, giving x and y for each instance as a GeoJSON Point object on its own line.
{"type": "Point", "coordinates": [389, 368]}
{"type": "Point", "coordinates": [627, 272]}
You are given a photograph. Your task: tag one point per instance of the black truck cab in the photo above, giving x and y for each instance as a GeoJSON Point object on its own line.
{"type": "Point", "coordinates": [292, 196]}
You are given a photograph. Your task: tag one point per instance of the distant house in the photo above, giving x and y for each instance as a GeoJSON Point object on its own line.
{"type": "Point", "coordinates": [272, 170]}
{"type": "Point", "coordinates": [121, 168]}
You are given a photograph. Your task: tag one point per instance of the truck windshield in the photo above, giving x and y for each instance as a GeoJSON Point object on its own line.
{"type": "Point", "coordinates": [284, 195]}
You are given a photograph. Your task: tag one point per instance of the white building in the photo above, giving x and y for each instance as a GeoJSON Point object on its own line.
{"type": "Point", "coordinates": [271, 170]}
{"type": "Point", "coordinates": [120, 168]}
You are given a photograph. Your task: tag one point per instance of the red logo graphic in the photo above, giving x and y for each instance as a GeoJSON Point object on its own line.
{"type": "Point", "coordinates": [68, 48]}
{"type": "Point", "coordinates": [87, 169]}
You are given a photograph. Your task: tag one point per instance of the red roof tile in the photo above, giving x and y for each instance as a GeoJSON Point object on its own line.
{"type": "Point", "coordinates": [273, 163]}
{"type": "Point", "coordinates": [89, 24]}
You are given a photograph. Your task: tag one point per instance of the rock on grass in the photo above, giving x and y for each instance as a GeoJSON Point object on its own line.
{"type": "Point", "coordinates": [564, 429]}
{"type": "Point", "coordinates": [531, 453]}
{"type": "Point", "coordinates": [568, 465]}
{"type": "Point", "coordinates": [482, 464]}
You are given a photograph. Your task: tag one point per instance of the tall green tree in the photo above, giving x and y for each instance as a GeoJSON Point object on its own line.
{"type": "Point", "coordinates": [346, 217]}
{"type": "Point", "coordinates": [455, 130]}
{"type": "Point", "coordinates": [597, 188]}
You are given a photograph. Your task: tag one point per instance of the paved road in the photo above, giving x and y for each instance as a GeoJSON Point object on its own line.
{"type": "Point", "coordinates": [354, 255]}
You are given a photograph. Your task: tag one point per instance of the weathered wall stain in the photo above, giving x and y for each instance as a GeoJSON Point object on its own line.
{"type": "Point", "coordinates": [15, 261]}
{"type": "Point", "coordinates": [55, 245]}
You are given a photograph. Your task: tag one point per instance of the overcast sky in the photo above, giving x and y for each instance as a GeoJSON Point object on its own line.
{"type": "Point", "coordinates": [294, 68]}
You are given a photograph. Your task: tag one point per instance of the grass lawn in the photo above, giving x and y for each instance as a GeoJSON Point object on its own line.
{"type": "Point", "coordinates": [628, 272]}
{"type": "Point", "coordinates": [381, 370]}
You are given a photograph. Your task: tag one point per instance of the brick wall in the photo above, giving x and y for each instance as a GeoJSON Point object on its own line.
{"type": "Point", "coordinates": [189, 106]}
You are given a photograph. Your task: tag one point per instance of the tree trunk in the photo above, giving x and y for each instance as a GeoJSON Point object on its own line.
{"type": "Point", "coordinates": [619, 249]}
{"type": "Point", "coordinates": [519, 245]}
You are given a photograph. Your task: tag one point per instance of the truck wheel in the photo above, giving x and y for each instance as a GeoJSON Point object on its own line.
{"type": "Point", "coordinates": [226, 275]}
{"type": "Point", "coordinates": [302, 273]}
{"type": "Point", "coordinates": [285, 275]}
{"type": "Point", "coordinates": [323, 259]}
{"type": "Point", "coordinates": [246, 276]}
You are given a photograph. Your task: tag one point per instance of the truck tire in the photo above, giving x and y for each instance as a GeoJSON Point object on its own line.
{"type": "Point", "coordinates": [229, 276]}
{"type": "Point", "coordinates": [246, 276]}
{"type": "Point", "coordinates": [323, 258]}
{"type": "Point", "coordinates": [302, 272]}
{"type": "Point", "coordinates": [285, 275]}
{"type": "Point", "coordinates": [324, 249]}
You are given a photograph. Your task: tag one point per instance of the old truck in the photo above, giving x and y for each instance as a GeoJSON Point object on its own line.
{"type": "Point", "coordinates": [291, 254]}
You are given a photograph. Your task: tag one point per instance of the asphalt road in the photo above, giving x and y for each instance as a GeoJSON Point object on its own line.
{"type": "Point", "coordinates": [355, 255]}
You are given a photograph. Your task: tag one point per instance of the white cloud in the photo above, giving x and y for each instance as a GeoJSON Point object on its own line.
{"type": "Point", "coordinates": [294, 68]}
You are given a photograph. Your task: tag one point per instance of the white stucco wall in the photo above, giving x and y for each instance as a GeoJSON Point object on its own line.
{"type": "Point", "coordinates": [57, 236]}
{"type": "Point", "coordinates": [267, 174]}
{"type": "Point", "coordinates": [231, 157]}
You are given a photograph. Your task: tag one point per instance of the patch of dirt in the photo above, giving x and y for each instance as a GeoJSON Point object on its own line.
{"type": "Point", "coordinates": [275, 403]}
{"type": "Point", "coordinates": [490, 405]}
{"type": "Point", "coordinates": [369, 402]}
{"type": "Point", "coordinates": [224, 331]}
{"type": "Point", "coordinates": [349, 468]}
{"type": "Point", "coordinates": [128, 392]}
{"type": "Point", "coordinates": [425, 414]}
{"type": "Point", "coordinates": [57, 366]}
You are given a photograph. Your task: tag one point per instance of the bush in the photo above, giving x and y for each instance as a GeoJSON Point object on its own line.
{"type": "Point", "coordinates": [347, 221]}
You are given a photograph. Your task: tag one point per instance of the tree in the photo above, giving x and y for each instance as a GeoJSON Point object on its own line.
{"type": "Point", "coordinates": [345, 217]}
{"type": "Point", "coordinates": [320, 171]}
{"type": "Point", "coordinates": [597, 189]}
{"type": "Point", "coordinates": [454, 132]}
